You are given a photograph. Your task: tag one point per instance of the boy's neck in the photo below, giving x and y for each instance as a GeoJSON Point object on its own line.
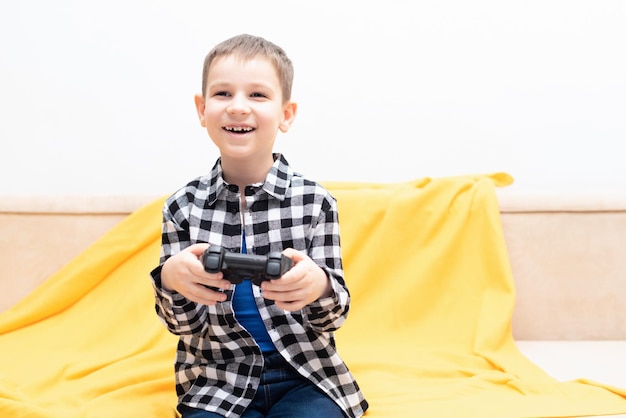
{"type": "Point", "coordinates": [243, 173]}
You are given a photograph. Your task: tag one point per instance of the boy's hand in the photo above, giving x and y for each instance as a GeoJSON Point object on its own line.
{"type": "Point", "coordinates": [185, 274]}
{"type": "Point", "coordinates": [304, 283]}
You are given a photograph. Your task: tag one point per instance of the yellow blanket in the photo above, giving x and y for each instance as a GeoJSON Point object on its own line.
{"type": "Point", "coordinates": [428, 335]}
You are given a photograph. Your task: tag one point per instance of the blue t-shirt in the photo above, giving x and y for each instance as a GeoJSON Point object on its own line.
{"type": "Point", "coordinates": [247, 312]}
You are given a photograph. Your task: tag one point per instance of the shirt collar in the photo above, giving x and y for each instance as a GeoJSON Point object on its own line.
{"type": "Point", "coordinates": [276, 182]}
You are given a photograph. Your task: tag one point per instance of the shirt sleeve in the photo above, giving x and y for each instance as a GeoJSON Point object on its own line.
{"type": "Point", "coordinates": [328, 314]}
{"type": "Point", "coordinates": [180, 315]}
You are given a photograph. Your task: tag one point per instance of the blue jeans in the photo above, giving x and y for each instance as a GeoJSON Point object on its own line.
{"type": "Point", "coordinates": [282, 393]}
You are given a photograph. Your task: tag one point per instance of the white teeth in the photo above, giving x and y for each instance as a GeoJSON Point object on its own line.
{"type": "Point", "coordinates": [238, 129]}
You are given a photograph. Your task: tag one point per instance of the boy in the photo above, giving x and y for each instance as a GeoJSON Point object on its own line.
{"type": "Point", "coordinates": [248, 350]}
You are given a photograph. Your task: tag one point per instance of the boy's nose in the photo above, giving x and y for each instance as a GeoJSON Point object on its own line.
{"type": "Point", "coordinates": [238, 105]}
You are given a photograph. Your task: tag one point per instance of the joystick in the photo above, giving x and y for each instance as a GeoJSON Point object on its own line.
{"type": "Point", "coordinates": [237, 267]}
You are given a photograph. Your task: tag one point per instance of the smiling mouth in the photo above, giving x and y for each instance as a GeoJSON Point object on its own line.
{"type": "Point", "coordinates": [238, 129]}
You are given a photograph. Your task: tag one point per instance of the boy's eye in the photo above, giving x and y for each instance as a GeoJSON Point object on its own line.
{"type": "Point", "coordinates": [222, 93]}
{"type": "Point", "coordinates": [258, 95]}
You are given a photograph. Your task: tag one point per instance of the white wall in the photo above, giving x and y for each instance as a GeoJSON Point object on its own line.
{"type": "Point", "coordinates": [97, 96]}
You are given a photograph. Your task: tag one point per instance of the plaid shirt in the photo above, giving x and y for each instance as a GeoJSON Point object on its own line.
{"type": "Point", "coordinates": [218, 364]}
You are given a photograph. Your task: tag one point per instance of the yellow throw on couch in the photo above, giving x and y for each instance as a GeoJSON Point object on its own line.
{"type": "Point", "coordinates": [428, 335]}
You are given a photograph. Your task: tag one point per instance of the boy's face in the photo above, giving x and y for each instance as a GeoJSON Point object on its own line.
{"type": "Point", "coordinates": [242, 108]}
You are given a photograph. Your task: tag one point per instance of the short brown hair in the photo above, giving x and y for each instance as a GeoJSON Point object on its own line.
{"type": "Point", "coordinates": [247, 47]}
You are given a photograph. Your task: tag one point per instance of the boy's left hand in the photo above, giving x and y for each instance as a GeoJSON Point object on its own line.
{"type": "Point", "coordinates": [304, 283]}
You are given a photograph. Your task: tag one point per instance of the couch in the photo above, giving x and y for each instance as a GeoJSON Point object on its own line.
{"type": "Point", "coordinates": [550, 271]}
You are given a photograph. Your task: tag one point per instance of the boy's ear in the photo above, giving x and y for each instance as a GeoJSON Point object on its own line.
{"type": "Point", "coordinates": [199, 100]}
{"type": "Point", "coordinates": [289, 114]}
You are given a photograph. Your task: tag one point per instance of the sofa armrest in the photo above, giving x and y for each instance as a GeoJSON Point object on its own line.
{"type": "Point", "coordinates": [568, 256]}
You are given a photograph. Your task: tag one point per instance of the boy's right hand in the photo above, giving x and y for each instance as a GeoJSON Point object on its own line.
{"type": "Point", "coordinates": [185, 274]}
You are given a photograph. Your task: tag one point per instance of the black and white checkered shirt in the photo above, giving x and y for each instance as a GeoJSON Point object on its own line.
{"type": "Point", "coordinates": [218, 364]}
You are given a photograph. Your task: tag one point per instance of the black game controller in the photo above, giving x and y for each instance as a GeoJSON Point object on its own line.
{"type": "Point", "coordinates": [237, 266]}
